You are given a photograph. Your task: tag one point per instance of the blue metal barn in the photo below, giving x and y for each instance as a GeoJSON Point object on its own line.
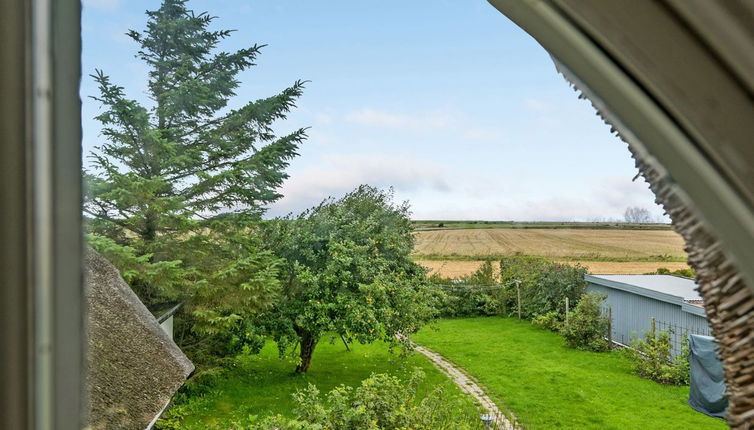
{"type": "Point", "coordinates": [635, 300]}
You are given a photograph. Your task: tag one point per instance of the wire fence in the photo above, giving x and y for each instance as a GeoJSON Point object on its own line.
{"type": "Point", "coordinates": [463, 286]}
{"type": "Point", "coordinates": [678, 333]}
{"type": "Point", "coordinates": [613, 335]}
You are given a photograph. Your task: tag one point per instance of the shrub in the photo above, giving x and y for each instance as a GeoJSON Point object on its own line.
{"type": "Point", "coordinates": [475, 295]}
{"type": "Point", "coordinates": [684, 273]}
{"type": "Point", "coordinates": [484, 275]}
{"type": "Point", "coordinates": [552, 321]}
{"type": "Point", "coordinates": [587, 327]}
{"type": "Point", "coordinates": [381, 402]}
{"type": "Point", "coordinates": [468, 301]}
{"type": "Point", "coordinates": [202, 381]}
{"type": "Point", "coordinates": [543, 284]}
{"type": "Point", "coordinates": [218, 349]}
{"type": "Point", "coordinates": [652, 358]}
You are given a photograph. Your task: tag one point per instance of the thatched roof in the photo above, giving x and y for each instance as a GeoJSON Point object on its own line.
{"type": "Point", "coordinates": [134, 367]}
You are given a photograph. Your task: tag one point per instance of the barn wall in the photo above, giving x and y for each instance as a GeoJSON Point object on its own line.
{"type": "Point", "coordinates": [632, 315]}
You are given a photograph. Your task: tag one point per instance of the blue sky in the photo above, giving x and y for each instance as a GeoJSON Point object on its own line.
{"type": "Point", "coordinates": [447, 101]}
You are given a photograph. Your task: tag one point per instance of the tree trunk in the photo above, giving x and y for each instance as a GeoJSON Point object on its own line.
{"type": "Point", "coordinates": [308, 343]}
{"type": "Point", "coordinates": [348, 348]}
{"type": "Point", "coordinates": [150, 227]}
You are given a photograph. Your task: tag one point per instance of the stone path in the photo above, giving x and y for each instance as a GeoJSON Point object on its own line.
{"type": "Point", "coordinates": [468, 386]}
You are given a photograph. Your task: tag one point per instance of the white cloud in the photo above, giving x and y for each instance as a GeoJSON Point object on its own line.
{"type": "Point", "coordinates": [539, 106]}
{"type": "Point", "coordinates": [549, 209]}
{"type": "Point", "coordinates": [338, 174]}
{"type": "Point", "coordinates": [322, 118]}
{"type": "Point", "coordinates": [424, 121]}
{"type": "Point", "coordinates": [616, 194]}
{"type": "Point", "coordinates": [449, 121]}
{"type": "Point", "coordinates": [559, 209]}
{"type": "Point", "coordinates": [480, 133]}
{"type": "Point", "coordinates": [606, 201]}
{"type": "Point", "coordinates": [484, 195]}
{"type": "Point", "coordinates": [320, 136]}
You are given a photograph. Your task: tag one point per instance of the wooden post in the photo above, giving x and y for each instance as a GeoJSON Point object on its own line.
{"type": "Point", "coordinates": [610, 327]}
{"type": "Point", "coordinates": [654, 326]}
{"type": "Point", "coordinates": [518, 293]}
{"type": "Point", "coordinates": [566, 315]}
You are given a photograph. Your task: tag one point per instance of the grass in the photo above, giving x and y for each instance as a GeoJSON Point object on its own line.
{"type": "Point", "coordinates": [559, 244]}
{"type": "Point", "coordinates": [531, 373]}
{"type": "Point", "coordinates": [262, 384]}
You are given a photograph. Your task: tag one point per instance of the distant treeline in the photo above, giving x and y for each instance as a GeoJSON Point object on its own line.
{"type": "Point", "coordinates": [456, 225]}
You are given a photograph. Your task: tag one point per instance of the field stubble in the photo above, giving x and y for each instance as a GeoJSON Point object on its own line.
{"type": "Point", "coordinates": [558, 244]}
{"type": "Point", "coordinates": [456, 253]}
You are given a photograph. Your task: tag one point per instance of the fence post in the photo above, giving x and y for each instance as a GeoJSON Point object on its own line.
{"type": "Point", "coordinates": [654, 326]}
{"type": "Point", "coordinates": [518, 294]}
{"type": "Point", "coordinates": [610, 327]}
{"type": "Point", "coordinates": [566, 318]}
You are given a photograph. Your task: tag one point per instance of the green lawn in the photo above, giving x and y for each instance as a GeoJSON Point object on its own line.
{"type": "Point", "coordinates": [531, 373]}
{"type": "Point", "coordinates": [262, 384]}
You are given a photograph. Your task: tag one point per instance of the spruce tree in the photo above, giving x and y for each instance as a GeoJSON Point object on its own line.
{"type": "Point", "coordinates": [186, 156]}
{"type": "Point", "coordinates": [179, 181]}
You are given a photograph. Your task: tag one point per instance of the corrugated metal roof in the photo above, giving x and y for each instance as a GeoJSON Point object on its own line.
{"type": "Point", "coordinates": [666, 284]}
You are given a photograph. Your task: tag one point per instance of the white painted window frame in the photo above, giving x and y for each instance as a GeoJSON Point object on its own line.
{"type": "Point", "coordinates": [42, 302]}
{"type": "Point", "coordinates": [41, 290]}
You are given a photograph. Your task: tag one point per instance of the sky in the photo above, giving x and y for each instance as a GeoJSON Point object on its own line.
{"type": "Point", "coordinates": [447, 101]}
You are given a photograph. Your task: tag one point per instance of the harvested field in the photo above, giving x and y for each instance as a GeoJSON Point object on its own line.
{"type": "Point", "coordinates": [458, 268]}
{"type": "Point", "coordinates": [570, 244]}
{"type": "Point", "coordinates": [628, 267]}
{"type": "Point", "coordinates": [452, 269]}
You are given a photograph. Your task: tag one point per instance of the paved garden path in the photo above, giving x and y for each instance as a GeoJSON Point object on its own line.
{"type": "Point", "coordinates": [468, 386]}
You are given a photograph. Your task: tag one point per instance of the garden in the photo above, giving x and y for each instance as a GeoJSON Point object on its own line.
{"type": "Point", "coordinates": [526, 370]}
{"type": "Point", "coordinates": [532, 373]}
{"type": "Point", "coordinates": [544, 377]}
{"type": "Point", "coordinates": [308, 321]}
{"type": "Point", "coordinates": [258, 386]}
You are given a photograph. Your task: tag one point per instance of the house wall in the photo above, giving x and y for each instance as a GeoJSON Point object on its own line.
{"type": "Point", "coordinates": [632, 315]}
{"type": "Point", "coordinates": [167, 326]}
